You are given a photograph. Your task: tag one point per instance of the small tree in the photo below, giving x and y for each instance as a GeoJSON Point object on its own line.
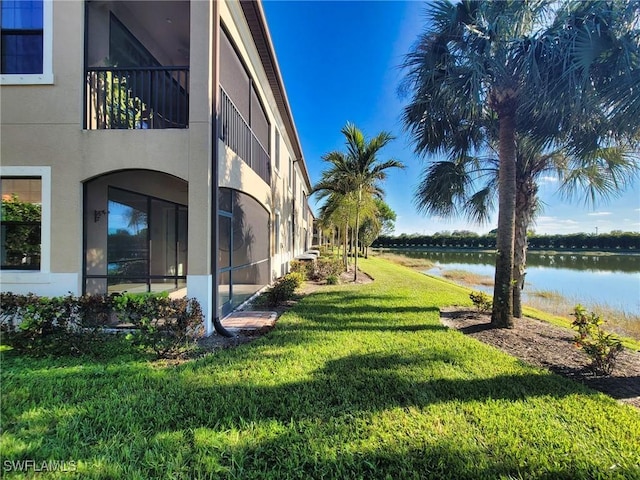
{"type": "Point", "coordinates": [601, 347]}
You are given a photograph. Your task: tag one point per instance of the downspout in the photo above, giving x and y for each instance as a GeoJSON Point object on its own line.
{"type": "Point", "coordinates": [293, 208]}
{"type": "Point", "coordinates": [215, 243]}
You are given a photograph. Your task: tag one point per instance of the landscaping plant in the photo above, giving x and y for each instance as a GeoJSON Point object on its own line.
{"type": "Point", "coordinates": [162, 324]}
{"type": "Point", "coordinates": [601, 347]}
{"type": "Point", "coordinates": [332, 279]}
{"type": "Point", "coordinates": [482, 301]}
{"type": "Point", "coordinates": [306, 269]}
{"type": "Point", "coordinates": [41, 326]}
{"type": "Point", "coordinates": [284, 288]}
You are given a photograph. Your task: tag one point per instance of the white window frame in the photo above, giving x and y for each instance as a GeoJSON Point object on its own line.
{"type": "Point", "coordinates": [46, 77]}
{"type": "Point", "coordinates": [44, 173]}
{"type": "Point", "coordinates": [276, 154]}
{"type": "Point", "coordinates": [277, 232]}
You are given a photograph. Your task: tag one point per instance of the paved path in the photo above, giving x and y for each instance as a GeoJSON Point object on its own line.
{"type": "Point", "coordinates": [249, 320]}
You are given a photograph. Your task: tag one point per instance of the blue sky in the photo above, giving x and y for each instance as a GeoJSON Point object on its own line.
{"type": "Point", "coordinates": [340, 62]}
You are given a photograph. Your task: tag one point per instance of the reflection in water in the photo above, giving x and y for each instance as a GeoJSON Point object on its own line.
{"type": "Point", "coordinates": [614, 263]}
{"type": "Point", "coordinates": [609, 279]}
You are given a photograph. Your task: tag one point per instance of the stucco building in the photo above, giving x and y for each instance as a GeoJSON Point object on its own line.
{"type": "Point", "coordinates": [147, 146]}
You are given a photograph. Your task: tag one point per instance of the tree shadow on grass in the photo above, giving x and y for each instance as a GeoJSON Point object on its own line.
{"type": "Point", "coordinates": [441, 458]}
{"type": "Point", "coordinates": [130, 404]}
{"type": "Point", "coordinates": [353, 311]}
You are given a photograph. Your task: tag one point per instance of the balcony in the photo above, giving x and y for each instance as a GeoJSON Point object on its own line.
{"type": "Point", "coordinates": [137, 57]}
{"type": "Point", "coordinates": [236, 133]}
{"type": "Point", "coordinates": [137, 98]}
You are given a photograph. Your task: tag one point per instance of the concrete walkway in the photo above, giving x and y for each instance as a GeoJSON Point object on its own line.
{"type": "Point", "coordinates": [249, 320]}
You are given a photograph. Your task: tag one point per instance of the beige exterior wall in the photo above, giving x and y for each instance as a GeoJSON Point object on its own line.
{"type": "Point", "coordinates": [42, 125]}
{"type": "Point", "coordinates": [279, 196]}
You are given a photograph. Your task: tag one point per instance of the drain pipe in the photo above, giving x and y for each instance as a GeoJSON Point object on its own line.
{"type": "Point", "coordinates": [215, 134]}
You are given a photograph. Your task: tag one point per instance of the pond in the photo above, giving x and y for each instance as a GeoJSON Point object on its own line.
{"type": "Point", "coordinates": [586, 278]}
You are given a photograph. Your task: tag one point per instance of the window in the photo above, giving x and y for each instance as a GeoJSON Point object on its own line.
{"type": "Point", "coordinates": [277, 152]}
{"type": "Point", "coordinates": [21, 223]}
{"type": "Point", "coordinates": [290, 174]}
{"type": "Point", "coordinates": [146, 243]}
{"type": "Point", "coordinates": [276, 229]}
{"type": "Point", "coordinates": [304, 207]}
{"type": "Point", "coordinates": [26, 28]}
{"type": "Point", "coordinates": [25, 214]}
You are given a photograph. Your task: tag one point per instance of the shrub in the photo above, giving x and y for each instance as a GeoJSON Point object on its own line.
{"type": "Point", "coordinates": [284, 288]}
{"type": "Point", "coordinates": [602, 348]}
{"type": "Point", "coordinates": [482, 301]}
{"type": "Point", "coordinates": [332, 280]}
{"type": "Point", "coordinates": [326, 267]}
{"type": "Point", "coordinates": [161, 324]}
{"type": "Point", "coordinates": [74, 325]}
{"type": "Point", "coordinates": [41, 326]}
{"type": "Point", "coordinates": [305, 268]}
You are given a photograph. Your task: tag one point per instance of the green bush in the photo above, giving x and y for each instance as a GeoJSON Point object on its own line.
{"type": "Point", "coordinates": [71, 325]}
{"type": "Point", "coordinates": [284, 288]}
{"type": "Point", "coordinates": [602, 348]}
{"type": "Point", "coordinates": [332, 280]}
{"type": "Point", "coordinates": [304, 268]}
{"type": "Point", "coordinates": [482, 301]}
{"type": "Point", "coordinates": [326, 267]}
{"type": "Point", "coordinates": [160, 323]}
{"type": "Point", "coordinates": [42, 326]}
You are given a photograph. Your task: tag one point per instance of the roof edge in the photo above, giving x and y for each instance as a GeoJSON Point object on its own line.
{"type": "Point", "coordinates": [257, 22]}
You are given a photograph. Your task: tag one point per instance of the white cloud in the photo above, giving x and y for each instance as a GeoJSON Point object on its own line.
{"type": "Point", "coordinates": [552, 225]}
{"type": "Point", "coordinates": [599, 214]}
{"type": "Point", "coordinates": [555, 221]}
{"type": "Point", "coordinates": [548, 179]}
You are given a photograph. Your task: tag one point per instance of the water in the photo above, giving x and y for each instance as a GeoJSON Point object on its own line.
{"type": "Point", "coordinates": [609, 279]}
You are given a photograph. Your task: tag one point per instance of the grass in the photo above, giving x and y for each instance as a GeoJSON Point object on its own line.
{"type": "Point", "coordinates": [467, 278]}
{"type": "Point", "coordinates": [356, 381]}
{"type": "Point", "coordinates": [547, 305]}
{"type": "Point", "coordinates": [418, 263]}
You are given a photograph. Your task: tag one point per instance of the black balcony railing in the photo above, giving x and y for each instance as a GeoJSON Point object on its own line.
{"type": "Point", "coordinates": [236, 133]}
{"type": "Point", "coordinates": [137, 97]}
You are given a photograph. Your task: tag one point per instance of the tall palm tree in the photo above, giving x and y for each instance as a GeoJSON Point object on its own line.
{"type": "Point", "coordinates": [467, 187]}
{"type": "Point", "coordinates": [357, 172]}
{"type": "Point", "coordinates": [506, 62]}
{"type": "Point", "coordinates": [338, 210]}
{"type": "Point", "coordinates": [335, 186]}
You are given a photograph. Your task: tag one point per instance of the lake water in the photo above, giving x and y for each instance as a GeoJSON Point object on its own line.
{"type": "Point", "coordinates": [586, 279]}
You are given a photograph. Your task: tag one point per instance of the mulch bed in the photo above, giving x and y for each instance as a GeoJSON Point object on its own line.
{"type": "Point", "coordinates": [548, 346]}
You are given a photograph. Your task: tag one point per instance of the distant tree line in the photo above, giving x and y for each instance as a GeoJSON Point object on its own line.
{"type": "Point", "coordinates": [619, 241]}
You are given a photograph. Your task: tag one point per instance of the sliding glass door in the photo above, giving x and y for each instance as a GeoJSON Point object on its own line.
{"type": "Point", "coordinates": [146, 243]}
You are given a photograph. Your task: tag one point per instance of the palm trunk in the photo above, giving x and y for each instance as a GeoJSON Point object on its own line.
{"type": "Point", "coordinates": [525, 199]}
{"type": "Point", "coordinates": [333, 240]}
{"type": "Point", "coordinates": [346, 243]}
{"type": "Point", "coordinates": [501, 316]}
{"type": "Point", "coordinates": [355, 234]}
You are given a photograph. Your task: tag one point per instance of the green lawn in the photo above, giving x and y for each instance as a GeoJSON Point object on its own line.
{"type": "Point", "coordinates": [354, 382]}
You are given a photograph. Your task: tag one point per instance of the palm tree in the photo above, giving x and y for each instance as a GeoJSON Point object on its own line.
{"type": "Point", "coordinates": [487, 63]}
{"type": "Point", "coordinates": [338, 210]}
{"type": "Point", "coordinates": [380, 220]}
{"type": "Point", "coordinates": [467, 187]}
{"type": "Point", "coordinates": [358, 172]}
{"type": "Point", "coordinates": [335, 186]}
